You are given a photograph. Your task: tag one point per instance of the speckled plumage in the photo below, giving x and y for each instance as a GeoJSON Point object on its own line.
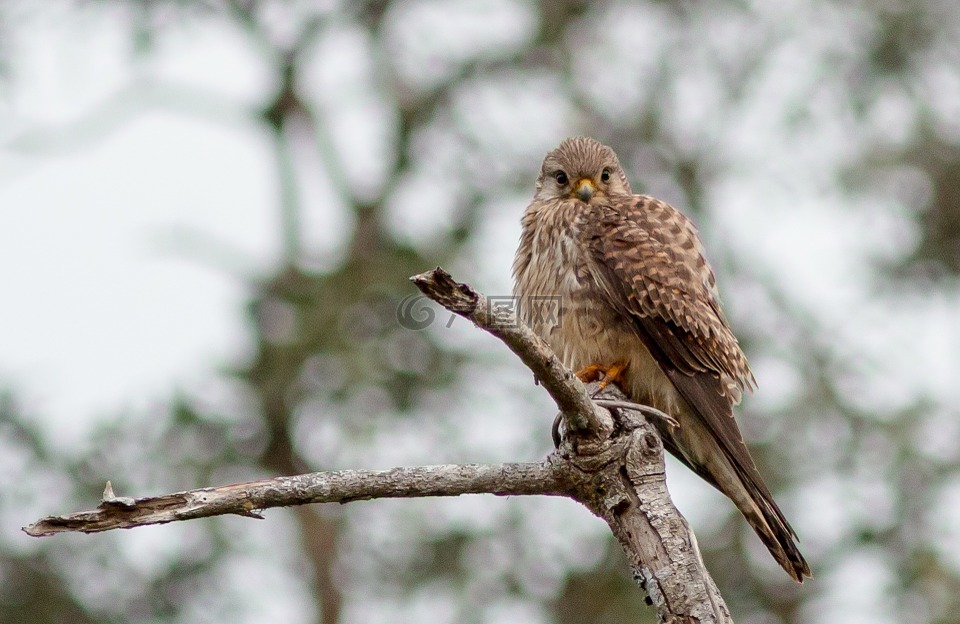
{"type": "Point", "coordinates": [634, 287]}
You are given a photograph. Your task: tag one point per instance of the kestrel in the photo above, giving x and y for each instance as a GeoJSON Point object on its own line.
{"type": "Point", "coordinates": [639, 307]}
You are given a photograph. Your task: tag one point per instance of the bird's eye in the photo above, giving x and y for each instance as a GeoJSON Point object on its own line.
{"type": "Point", "coordinates": [560, 177]}
{"type": "Point", "coordinates": [605, 176]}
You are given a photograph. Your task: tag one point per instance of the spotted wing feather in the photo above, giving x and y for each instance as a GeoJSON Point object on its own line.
{"type": "Point", "coordinates": [649, 263]}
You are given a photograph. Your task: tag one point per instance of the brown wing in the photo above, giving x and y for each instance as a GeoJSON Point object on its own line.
{"type": "Point", "coordinates": [649, 262]}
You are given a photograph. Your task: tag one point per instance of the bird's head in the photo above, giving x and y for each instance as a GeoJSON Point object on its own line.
{"type": "Point", "coordinates": [581, 168]}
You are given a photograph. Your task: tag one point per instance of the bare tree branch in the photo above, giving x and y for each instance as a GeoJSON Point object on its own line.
{"type": "Point", "coordinates": [566, 389]}
{"type": "Point", "coordinates": [626, 484]}
{"type": "Point", "coordinates": [610, 462]}
{"type": "Point", "coordinates": [342, 486]}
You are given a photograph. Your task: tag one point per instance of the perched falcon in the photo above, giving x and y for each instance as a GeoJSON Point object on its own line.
{"type": "Point", "coordinates": [638, 306]}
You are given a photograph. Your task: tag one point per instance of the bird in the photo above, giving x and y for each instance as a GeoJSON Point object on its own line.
{"type": "Point", "coordinates": [639, 307]}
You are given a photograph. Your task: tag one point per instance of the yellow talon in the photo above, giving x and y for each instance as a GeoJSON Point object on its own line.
{"type": "Point", "coordinates": [614, 374]}
{"type": "Point", "coordinates": [591, 373]}
{"type": "Point", "coordinates": [606, 374]}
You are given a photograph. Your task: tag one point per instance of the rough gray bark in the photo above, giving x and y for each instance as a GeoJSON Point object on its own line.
{"type": "Point", "coordinates": [341, 486]}
{"type": "Point", "coordinates": [610, 461]}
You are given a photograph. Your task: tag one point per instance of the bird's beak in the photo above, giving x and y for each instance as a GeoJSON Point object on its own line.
{"type": "Point", "coordinates": [585, 189]}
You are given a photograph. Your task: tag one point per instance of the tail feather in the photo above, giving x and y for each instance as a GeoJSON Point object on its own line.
{"type": "Point", "coordinates": [692, 445]}
{"type": "Point", "coordinates": [777, 535]}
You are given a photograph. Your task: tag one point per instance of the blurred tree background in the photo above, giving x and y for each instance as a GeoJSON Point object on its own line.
{"type": "Point", "coordinates": [816, 143]}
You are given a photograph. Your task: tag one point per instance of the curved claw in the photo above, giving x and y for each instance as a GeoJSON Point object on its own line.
{"type": "Point", "coordinates": [646, 410]}
{"type": "Point", "coordinates": [555, 431]}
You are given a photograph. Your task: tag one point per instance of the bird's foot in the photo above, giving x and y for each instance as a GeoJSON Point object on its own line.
{"type": "Point", "coordinates": [591, 373]}
{"type": "Point", "coordinates": [614, 374]}
{"type": "Point", "coordinates": [605, 374]}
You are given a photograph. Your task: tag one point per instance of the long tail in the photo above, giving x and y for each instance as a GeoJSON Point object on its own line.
{"type": "Point", "coordinates": [775, 532]}
{"type": "Point", "coordinates": [700, 449]}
